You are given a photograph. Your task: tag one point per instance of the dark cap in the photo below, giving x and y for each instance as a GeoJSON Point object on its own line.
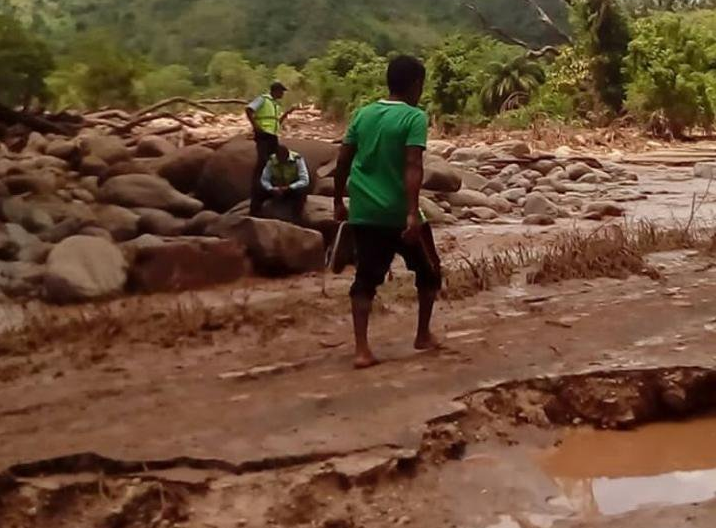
{"type": "Point", "coordinates": [278, 85]}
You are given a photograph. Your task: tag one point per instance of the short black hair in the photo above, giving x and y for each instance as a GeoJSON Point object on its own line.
{"type": "Point", "coordinates": [403, 72]}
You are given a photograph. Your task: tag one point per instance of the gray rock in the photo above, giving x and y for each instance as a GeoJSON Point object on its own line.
{"type": "Point", "coordinates": [538, 220]}
{"type": "Point", "coordinates": [110, 149]}
{"type": "Point", "coordinates": [83, 195]}
{"type": "Point", "coordinates": [82, 268]}
{"type": "Point", "coordinates": [200, 222]}
{"type": "Point", "coordinates": [93, 166]}
{"type": "Point", "coordinates": [577, 170]}
{"type": "Point", "coordinates": [474, 182]}
{"type": "Point", "coordinates": [558, 174]}
{"type": "Point", "coordinates": [17, 244]}
{"type": "Point", "coordinates": [467, 198]}
{"type": "Point", "coordinates": [605, 209]}
{"type": "Point", "coordinates": [274, 247]}
{"type": "Point", "coordinates": [64, 229]}
{"type": "Point", "coordinates": [441, 176]}
{"type": "Point", "coordinates": [538, 204]}
{"type": "Point", "coordinates": [43, 182]}
{"type": "Point", "coordinates": [499, 204]}
{"type": "Point", "coordinates": [437, 147]}
{"type": "Point", "coordinates": [514, 195]}
{"type": "Point", "coordinates": [18, 211]}
{"type": "Point", "coordinates": [483, 213]}
{"type": "Point", "coordinates": [519, 181]}
{"type": "Point", "coordinates": [589, 178]}
{"type": "Point", "coordinates": [21, 278]}
{"type": "Point", "coordinates": [143, 190]}
{"type": "Point", "coordinates": [477, 154]}
{"type": "Point", "coordinates": [154, 147]}
{"type": "Point", "coordinates": [96, 231]}
{"type": "Point", "coordinates": [509, 171]}
{"type": "Point", "coordinates": [183, 167]}
{"type": "Point", "coordinates": [544, 166]}
{"type": "Point", "coordinates": [514, 148]}
{"type": "Point", "coordinates": [65, 149]}
{"type": "Point", "coordinates": [122, 223]}
{"type": "Point", "coordinates": [431, 210]}
{"type": "Point", "coordinates": [37, 163]}
{"type": "Point", "coordinates": [158, 222]}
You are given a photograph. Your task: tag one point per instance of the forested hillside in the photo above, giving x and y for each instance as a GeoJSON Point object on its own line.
{"type": "Point", "coordinates": [277, 31]}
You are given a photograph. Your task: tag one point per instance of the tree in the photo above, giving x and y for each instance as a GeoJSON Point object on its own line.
{"type": "Point", "coordinates": [96, 72]}
{"type": "Point", "coordinates": [671, 67]}
{"type": "Point", "coordinates": [603, 37]}
{"type": "Point", "coordinates": [170, 81]}
{"type": "Point", "coordinates": [511, 83]}
{"type": "Point", "coordinates": [24, 63]}
{"type": "Point", "coordinates": [231, 75]}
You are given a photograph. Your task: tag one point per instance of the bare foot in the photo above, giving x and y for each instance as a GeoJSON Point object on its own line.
{"type": "Point", "coordinates": [365, 360]}
{"type": "Point", "coordinates": [428, 342]}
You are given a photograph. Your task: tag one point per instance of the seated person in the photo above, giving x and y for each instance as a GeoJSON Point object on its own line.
{"type": "Point", "coordinates": [285, 179]}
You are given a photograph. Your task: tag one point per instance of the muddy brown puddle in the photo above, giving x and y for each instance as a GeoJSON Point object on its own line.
{"type": "Point", "coordinates": [614, 472]}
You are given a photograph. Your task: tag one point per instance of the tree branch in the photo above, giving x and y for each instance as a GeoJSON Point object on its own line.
{"type": "Point", "coordinates": [128, 127]}
{"type": "Point", "coordinates": [503, 35]}
{"type": "Point", "coordinates": [171, 101]}
{"type": "Point", "coordinates": [545, 18]}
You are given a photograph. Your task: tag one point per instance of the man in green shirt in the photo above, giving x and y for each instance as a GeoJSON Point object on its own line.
{"type": "Point", "coordinates": [383, 155]}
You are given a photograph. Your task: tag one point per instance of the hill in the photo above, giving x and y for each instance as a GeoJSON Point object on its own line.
{"type": "Point", "coordinates": [274, 31]}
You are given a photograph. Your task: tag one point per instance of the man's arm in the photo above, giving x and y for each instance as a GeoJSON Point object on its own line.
{"type": "Point", "coordinates": [343, 170]}
{"type": "Point", "coordinates": [266, 178]}
{"type": "Point", "coordinates": [413, 182]}
{"type": "Point", "coordinates": [251, 110]}
{"type": "Point", "coordinates": [303, 177]}
{"type": "Point", "coordinates": [286, 114]}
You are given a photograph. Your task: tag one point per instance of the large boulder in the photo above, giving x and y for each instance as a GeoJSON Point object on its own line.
{"type": "Point", "coordinates": [576, 170]}
{"type": "Point", "coordinates": [441, 176]}
{"type": "Point", "coordinates": [705, 170]}
{"type": "Point", "coordinates": [499, 204]}
{"type": "Point", "coordinates": [432, 211]}
{"type": "Point", "coordinates": [467, 198]}
{"type": "Point", "coordinates": [512, 148]}
{"type": "Point", "coordinates": [64, 229]}
{"type": "Point", "coordinates": [132, 166]}
{"type": "Point", "coordinates": [538, 204]}
{"type": "Point", "coordinates": [154, 147]}
{"type": "Point", "coordinates": [604, 209]}
{"type": "Point", "coordinates": [36, 143]}
{"type": "Point", "coordinates": [93, 166]}
{"type": "Point", "coordinates": [44, 182]}
{"type": "Point", "coordinates": [187, 264]}
{"type": "Point", "coordinates": [274, 247]}
{"type": "Point", "coordinates": [183, 167]}
{"type": "Point", "coordinates": [318, 215]}
{"type": "Point", "coordinates": [18, 211]}
{"type": "Point", "coordinates": [82, 268]}
{"type": "Point", "coordinates": [121, 223]}
{"type": "Point", "coordinates": [110, 149]}
{"type": "Point", "coordinates": [474, 182]}
{"type": "Point", "coordinates": [439, 147]}
{"type": "Point", "coordinates": [197, 225]}
{"type": "Point", "coordinates": [144, 190]}
{"type": "Point", "coordinates": [66, 149]}
{"type": "Point", "coordinates": [158, 222]}
{"type": "Point", "coordinates": [472, 154]}
{"type": "Point", "coordinates": [226, 178]}
{"type": "Point", "coordinates": [538, 220]}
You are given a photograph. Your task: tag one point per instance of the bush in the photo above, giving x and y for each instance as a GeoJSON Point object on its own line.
{"type": "Point", "coordinates": [670, 67]}
{"type": "Point", "coordinates": [166, 82]}
{"type": "Point", "coordinates": [97, 72]}
{"type": "Point", "coordinates": [24, 63]}
{"type": "Point", "coordinates": [231, 75]}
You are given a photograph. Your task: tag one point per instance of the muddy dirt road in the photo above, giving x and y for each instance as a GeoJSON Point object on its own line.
{"type": "Point", "coordinates": [238, 407]}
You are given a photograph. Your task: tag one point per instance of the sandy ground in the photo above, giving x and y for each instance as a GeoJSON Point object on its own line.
{"type": "Point", "coordinates": [238, 406]}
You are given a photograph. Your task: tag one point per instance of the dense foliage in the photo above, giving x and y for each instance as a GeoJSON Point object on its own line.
{"type": "Point", "coordinates": [621, 56]}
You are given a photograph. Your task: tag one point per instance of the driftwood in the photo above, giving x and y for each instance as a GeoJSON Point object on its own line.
{"type": "Point", "coordinates": [202, 104]}
{"type": "Point", "coordinates": [34, 122]}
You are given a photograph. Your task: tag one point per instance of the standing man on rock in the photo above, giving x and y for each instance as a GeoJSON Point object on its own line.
{"type": "Point", "coordinates": [383, 154]}
{"type": "Point", "coordinates": [266, 117]}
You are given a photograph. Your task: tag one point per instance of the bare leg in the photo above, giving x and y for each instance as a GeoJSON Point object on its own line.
{"type": "Point", "coordinates": [424, 339]}
{"type": "Point", "coordinates": [364, 357]}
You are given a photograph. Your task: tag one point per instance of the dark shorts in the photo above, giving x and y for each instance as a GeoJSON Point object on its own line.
{"type": "Point", "coordinates": [376, 247]}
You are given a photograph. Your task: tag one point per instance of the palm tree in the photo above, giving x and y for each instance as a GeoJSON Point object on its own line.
{"type": "Point", "coordinates": [510, 84]}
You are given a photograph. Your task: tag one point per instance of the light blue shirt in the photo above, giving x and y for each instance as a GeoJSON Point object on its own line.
{"type": "Point", "coordinates": [301, 183]}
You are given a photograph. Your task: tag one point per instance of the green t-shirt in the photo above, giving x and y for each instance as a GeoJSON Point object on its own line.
{"type": "Point", "coordinates": [380, 133]}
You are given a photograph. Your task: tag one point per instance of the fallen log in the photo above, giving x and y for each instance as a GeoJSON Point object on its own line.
{"type": "Point", "coordinates": [39, 124]}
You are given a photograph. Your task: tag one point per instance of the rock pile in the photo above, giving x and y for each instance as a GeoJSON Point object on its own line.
{"type": "Point", "coordinates": [96, 215]}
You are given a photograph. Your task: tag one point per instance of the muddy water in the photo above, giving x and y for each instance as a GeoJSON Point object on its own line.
{"type": "Point", "coordinates": [613, 472]}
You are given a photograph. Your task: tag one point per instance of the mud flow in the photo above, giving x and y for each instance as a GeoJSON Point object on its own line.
{"type": "Point", "coordinates": [614, 472]}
